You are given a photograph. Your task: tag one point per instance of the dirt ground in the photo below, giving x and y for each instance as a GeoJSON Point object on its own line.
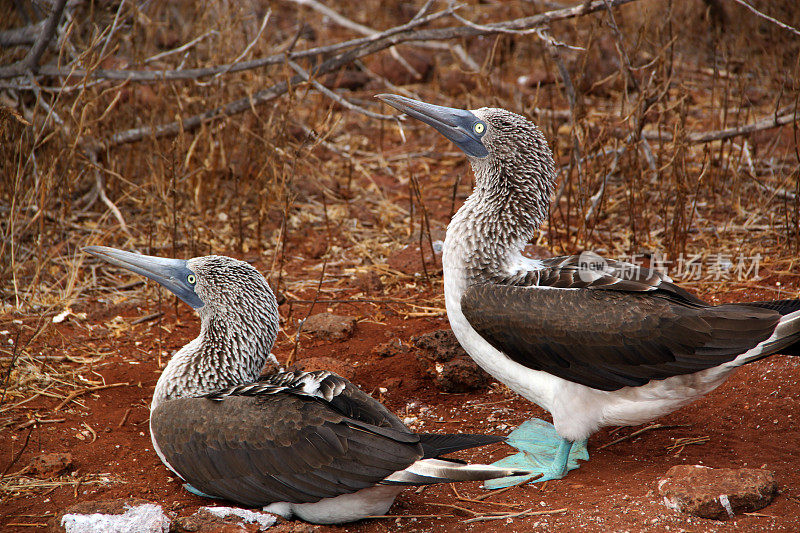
{"type": "Point", "coordinates": [749, 422]}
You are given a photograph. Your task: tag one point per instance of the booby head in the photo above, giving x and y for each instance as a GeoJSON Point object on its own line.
{"type": "Point", "coordinates": [513, 167]}
{"type": "Point", "coordinates": [208, 284]}
{"type": "Point", "coordinates": [464, 128]}
{"type": "Point", "coordinates": [238, 312]}
{"type": "Point", "coordinates": [505, 149]}
{"type": "Point", "coordinates": [173, 274]}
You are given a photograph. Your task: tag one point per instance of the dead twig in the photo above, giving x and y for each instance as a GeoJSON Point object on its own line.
{"type": "Point", "coordinates": [683, 442]}
{"type": "Point", "coordinates": [410, 516]}
{"type": "Point", "coordinates": [493, 493]}
{"type": "Point", "coordinates": [125, 417]}
{"type": "Point", "coordinates": [335, 97]}
{"type": "Point", "coordinates": [503, 516]}
{"type": "Point", "coordinates": [246, 50]}
{"type": "Point", "coordinates": [456, 507]}
{"type": "Point", "coordinates": [92, 431]}
{"type": "Point", "coordinates": [77, 393]}
{"type": "Point", "coordinates": [34, 421]}
{"type": "Point", "coordinates": [640, 431]}
{"type": "Point", "coordinates": [148, 318]}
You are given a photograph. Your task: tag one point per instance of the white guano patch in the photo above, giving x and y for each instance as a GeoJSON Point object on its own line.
{"type": "Point", "coordinates": [145, 518]}
{"type": "Point", "coordinates": [264, 520]}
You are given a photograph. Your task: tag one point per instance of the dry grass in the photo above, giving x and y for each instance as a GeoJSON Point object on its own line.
{"type": "Point", "coordinates": [268, 183]}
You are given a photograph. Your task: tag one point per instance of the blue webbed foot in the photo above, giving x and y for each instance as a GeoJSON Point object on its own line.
{"type": "Point", "coordinates": [542, 452]}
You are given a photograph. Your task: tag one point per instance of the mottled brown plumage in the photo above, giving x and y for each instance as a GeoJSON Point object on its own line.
{"type": "Point", "coordinates": [281, 446]}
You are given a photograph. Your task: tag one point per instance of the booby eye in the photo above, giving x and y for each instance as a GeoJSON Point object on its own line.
{"type": "Point", "coordinates": [191, 279]}
{"type": "Point", "coordinates": [479, 128]}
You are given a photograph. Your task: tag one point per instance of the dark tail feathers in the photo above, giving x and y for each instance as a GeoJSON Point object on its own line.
{"type": "Point", "coordinates": [784, 307]}
{"type": "Point", "coordinates": [434, 445]}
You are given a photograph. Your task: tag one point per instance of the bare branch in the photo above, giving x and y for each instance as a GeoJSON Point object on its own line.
{"type": "Point", "coordinates": [364, 30]}
{"type": "Point", "coordinates": [31, 61]}
{"type": "Point", "coordinates": [767, 17]}
{"type": "Point", "coordinates": [249, 46]}
{"type": "Point", "coordinates": [391, 37]}
{"type": "Point", "coordinates": [113, 29]}
{"type": "Point", "coordinates": [339, 19]}
{"type": "Point", "coordinates": [540, 32]}
{"type": "Point", "coordinates": [370, 45]}
{"type": "Point", "coordinates": [181, 48]}
{"type": "Point", "coordinates": [196, 73]}
{"type": "Point", "coordinates": [783, 116]}
{"type": "Point", "coordinates": [335, 97]}
{"type": "Point", "coordinates": [24, 35]}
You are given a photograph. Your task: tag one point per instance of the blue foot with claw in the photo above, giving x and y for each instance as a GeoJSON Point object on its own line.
{"type": "Point", "coordinates": [542, 452]}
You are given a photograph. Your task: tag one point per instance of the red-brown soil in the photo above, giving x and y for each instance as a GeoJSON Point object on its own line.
{"type": "Point", "coordinates": [750, 421]}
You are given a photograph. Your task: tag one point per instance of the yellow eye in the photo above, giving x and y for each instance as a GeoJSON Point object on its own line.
{"type": "Point", "coordinates": [479, 128]}
{"type": "Point", "coordinates": [191, 279]}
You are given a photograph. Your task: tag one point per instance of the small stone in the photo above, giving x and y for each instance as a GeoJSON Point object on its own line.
{"type": "Point", "coordinates": [717, 493]}
{"type": "Point", "coordinates": [442, 358]}
{"type": "Point", "coordinates": [393, 383]}
{"type": "Point", "coordinates": [461, 375]}
{"type": "Point", "coordinates": [390, 349]}
{"type": "Point", "coordinates": [440, 345]}
{"type": "Point", "coordinates": [48, 465]}
{"type": "Point", "coordinates": [113, 516]}
{"type": "Point", "coordinates": [342, 368]}
{"type": "Point", "coordinates": [328, 326]}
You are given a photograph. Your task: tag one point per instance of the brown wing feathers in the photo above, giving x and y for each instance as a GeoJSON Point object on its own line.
{"type": "Point", "coordinates": [611, 339]}
{"type": "Point", "coordinates": [259, 450]}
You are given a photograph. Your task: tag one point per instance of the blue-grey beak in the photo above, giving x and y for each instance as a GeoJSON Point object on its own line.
{"type": "Point", "coordinates": [171, 273]}
{"type": "Point", "coordinates": [458, 125]}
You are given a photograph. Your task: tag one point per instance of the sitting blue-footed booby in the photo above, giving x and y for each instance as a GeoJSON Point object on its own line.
{"type": "Point", "coordinates": [308, 444]}
{"type": "Point", "coordinates": [595, 342]}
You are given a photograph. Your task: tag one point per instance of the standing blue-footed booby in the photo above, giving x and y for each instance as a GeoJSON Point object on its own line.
{"type": "Point", "coordinates": [308, 444]}
{"type": "Point", "coordinates": [595, 342]}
